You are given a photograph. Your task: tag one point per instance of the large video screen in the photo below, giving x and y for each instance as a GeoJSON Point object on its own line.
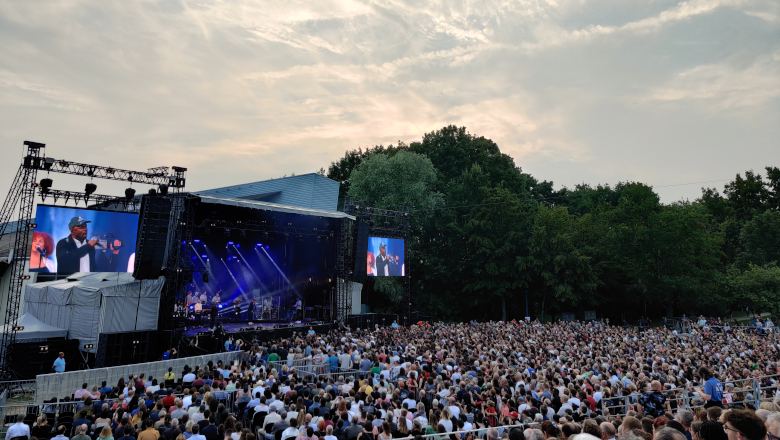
{"type": "Point", "coordinates": [385, 257]}
{"type": "Point", "coordinates": [70, 240]}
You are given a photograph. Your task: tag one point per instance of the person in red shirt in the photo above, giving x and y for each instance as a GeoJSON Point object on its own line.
{"type": "Point", "coordinates": [169, 399]}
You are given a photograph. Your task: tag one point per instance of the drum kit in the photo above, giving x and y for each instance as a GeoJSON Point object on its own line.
{"type": "Point", "coordinates": [270, 308]}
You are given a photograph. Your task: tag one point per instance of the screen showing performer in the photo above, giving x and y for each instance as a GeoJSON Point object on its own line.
{"type": "Point", "coordinates": [70, 240]}
{"type": "Point", "coordinates": [385, 257]}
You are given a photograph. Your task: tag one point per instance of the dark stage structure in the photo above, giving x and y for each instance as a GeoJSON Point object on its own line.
{"type": "Point", "coordinates": [232, 266]}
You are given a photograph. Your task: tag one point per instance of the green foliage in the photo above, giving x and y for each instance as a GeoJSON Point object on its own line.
{"type": "Point", "coordinates": [485, 236]}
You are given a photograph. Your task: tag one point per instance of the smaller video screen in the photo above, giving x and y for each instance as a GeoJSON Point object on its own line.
{"type": "Point", "coordinates": [385, 257]}
{"type": "Point", "coordinates": [70, 240]}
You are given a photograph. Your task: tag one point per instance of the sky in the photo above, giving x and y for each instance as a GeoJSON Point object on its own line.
{"type": "Point", "coordinates": [667, 93]}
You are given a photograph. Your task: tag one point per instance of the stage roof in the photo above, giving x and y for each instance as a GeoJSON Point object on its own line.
{"type": "Point", "coordinates": [308, 191]}
{"type": "Point", "coordinates": [266, 206]}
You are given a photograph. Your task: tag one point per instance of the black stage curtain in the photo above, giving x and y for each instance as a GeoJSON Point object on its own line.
{"type": "Point", "coordinates": [26, 360]}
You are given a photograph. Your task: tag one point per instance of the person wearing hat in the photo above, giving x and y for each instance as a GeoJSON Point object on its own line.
{"type": "Point", "coordinates": [382, 262]}
{"type": "Point", "coordinates": [18, 429]}
{"type": "Point", "coordinates": [75, 253]}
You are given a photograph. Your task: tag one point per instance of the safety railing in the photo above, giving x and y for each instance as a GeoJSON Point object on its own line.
{"type": "Point", "coordinates": [751, 389]}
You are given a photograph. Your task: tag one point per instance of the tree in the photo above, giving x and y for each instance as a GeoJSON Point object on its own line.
{"type": "Point", "coordinates": [760, 239]}
{"type": "Point", "coordinates": [563, 272]}
{"type": "Point", "coordinates": [757, 286]}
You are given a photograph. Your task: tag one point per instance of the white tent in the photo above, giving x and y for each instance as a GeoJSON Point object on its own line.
{"type": "Point", "coordinates": [35, 330]}
{"type": "Point", "coordinates": [88, 304]}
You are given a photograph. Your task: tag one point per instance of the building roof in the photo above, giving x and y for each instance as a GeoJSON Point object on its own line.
{"type": "Point", "coordinates": [267, 206]}
{"type": "Point", "coordinates": [310, 191]}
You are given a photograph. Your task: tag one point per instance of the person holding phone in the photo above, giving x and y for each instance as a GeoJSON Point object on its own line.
{"type": "Point", "coordinates": [108, 261]}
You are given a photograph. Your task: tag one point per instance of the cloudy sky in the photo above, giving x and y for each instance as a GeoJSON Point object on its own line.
{"type": "Point", "coordinates": [659, 91]}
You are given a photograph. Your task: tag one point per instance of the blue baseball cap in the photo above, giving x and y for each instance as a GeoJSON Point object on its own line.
{"type": "Point", "coordinates": [77, 221]}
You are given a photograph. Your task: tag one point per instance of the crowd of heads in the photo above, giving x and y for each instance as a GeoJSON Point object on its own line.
{"type": "Point", "coordinates": [490, 380]}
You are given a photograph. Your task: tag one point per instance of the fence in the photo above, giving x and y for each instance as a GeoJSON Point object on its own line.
{"type": "Point", "coordinates": [751, 389]}
{"type": "Point", "coordinates": [65, 384]}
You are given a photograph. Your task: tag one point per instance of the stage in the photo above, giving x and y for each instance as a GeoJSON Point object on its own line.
{"type": "Point", "coordinates": [209, 341]}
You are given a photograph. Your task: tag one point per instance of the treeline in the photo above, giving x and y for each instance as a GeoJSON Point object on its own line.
{"type": "Point", "coordinates": [488, 240]}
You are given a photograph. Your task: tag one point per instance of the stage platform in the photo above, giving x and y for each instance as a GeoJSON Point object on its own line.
{"type": "Point", "coordinates": [237, 327]}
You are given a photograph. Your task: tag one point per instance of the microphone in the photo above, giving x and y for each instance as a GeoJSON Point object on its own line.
{"type": "Point", "coordinates": [41, 251]}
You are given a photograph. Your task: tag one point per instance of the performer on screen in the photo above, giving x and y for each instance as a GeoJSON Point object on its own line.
{"type": "Point", "coordinates": [75, 253]}
{"type": "Point", "coordinates": [382, 262]}
{"type": "Point", "coordinates": [370, 269]}
{"type": "Point", "coordinates": [109, 261]}
{"type": "Point", "coordinates": [41, 260]}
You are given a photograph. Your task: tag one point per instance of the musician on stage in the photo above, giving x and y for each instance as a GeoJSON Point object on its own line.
{"type": "Point", "coordinates": [250, 311]}
{"type": "Point", "coordinates": [268, 303]}
{"type": "Point", "coordinates": [237, 308]}
{"type": "Point", "coordinates": [297, 310]}
{"type": "Point", "coordinates": [215, 300]}
{"type": "Point", "coordinates": [203, 298]}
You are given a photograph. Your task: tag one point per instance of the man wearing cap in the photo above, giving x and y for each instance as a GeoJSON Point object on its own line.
{"type": "Point", "coordinates": [382, 262]}
{"type": "Point", "coordinates": [75, 253]}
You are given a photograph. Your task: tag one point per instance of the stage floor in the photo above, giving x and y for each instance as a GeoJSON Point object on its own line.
{"type": "Point", "coordinates": [234, 327]}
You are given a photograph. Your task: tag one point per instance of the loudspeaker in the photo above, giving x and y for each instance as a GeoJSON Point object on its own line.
{"type": "Point", "coordinates": [361, 251]}
{"type": "Point", "coordinates": [414, 317]}
{"type": "Point", "coordinates": [121, 348]}
{"type": "Point", "coordinates": [153, 226]}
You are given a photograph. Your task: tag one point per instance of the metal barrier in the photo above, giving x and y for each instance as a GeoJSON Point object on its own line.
{"type": "Point", "coordinates": [750, 387]}
{"type": "Point", "coordinates": [62, 385]}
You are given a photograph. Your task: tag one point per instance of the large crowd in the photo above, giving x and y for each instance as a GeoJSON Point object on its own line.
{"type": "Point", "coordinates": [513, 380]}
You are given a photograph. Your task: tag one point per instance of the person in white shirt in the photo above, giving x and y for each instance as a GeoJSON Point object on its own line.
{"type": "Point", "coordinates": [454, 409]}
{"type": "Point", "coordinates": [292, 431]}
{"type": "Point", "coordinates": [329, 433]}
{"type": "Point", "coordinates": [272, 416]}
{"type": "Point", "coordinates": [189, 377]}
{"type": "Point", "coordinates": [18, 429]}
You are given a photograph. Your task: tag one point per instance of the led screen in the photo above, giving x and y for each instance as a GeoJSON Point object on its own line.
{"type": "Point", "coordinates": [385, 257]}
{"type": "Point", "coordinates": [69, 240]}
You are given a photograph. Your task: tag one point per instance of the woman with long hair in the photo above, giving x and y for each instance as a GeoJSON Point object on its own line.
{"type": "Point", "coordinates": [42, 254]}
{"type": "Point", "coordinates": [106, 434]}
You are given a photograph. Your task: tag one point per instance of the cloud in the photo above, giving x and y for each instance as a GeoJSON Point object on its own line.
{"type": "Point", "coordinates": [724, 86]}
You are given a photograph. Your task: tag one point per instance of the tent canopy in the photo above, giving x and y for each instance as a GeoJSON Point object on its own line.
{"type": "Point", "coordinates": [35, 329]}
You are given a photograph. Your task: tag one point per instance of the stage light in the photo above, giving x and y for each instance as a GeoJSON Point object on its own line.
{"type": "Point", "coordinates": [163, 190]}
{"type": "Point", "coordinates": [206, 231]}
{"type": "Point", "coordinates": [192, 307]}
{"type": "Point", "coordinates": [243, 233]}
{"type": "Point", "coordinates": [238, 245]}
{"type": "Point", "coordinates": [204, 256]}
{"type": "Point", "coordinates": [90, 188]}
{"type": "Point", "coordinates": [194, 258]}
{"type": "Point", "coordinates": [229, 258]}
{"type": "Point", "coordinates": [129, 193]}
{"type": "Point", "coordinates": [45, 185]}
{"type": "Point", "coordinates": [227, 232]}
{"type": "Point", "coordinates": [43, 348]}
{"type": "Point", "coordinates": [89, 346]}
{"type": "Point", "coordinates": [18, 328]}
{"type": "Point", "coordinates": [47, 163]}
{"type": "Point", "coordinates": [230, 243]}
{"type": "Point", "coordinates": [219, 306]}
{"type": "Point", "coordinates": [387, 225]}
{"type": "Point", "coordinates": [184, 242]}
{"type": "Point", "coordinates": [259, 245]}
{"type": "Point", "coordinates": [266, 247]}
{"type": "Point", "coordinates": [196, 241]}
{"type": "Point", "coordinates": [205, 277]}
{"type": "Point", "coordinates": [136, 342]}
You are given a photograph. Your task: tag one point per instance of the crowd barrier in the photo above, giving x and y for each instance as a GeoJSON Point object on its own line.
{"type": "Point", "coordinates": [751, 388]}
{"type": "Point", "coordinates": [65, 384]}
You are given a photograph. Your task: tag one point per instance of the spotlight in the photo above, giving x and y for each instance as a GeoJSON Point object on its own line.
{"type": "Point", "coordinates": [207, 231]}
{"type": "Point", "coordinates": [47, 163]}
{"type": "Point", "coordinates": [163, 190]}
{"type": "Point", "coordinates": [259, 245]}
{"type": "Point", "coordinates": [204, 256]}
{"type": "Point", "coordinates": [136, 342]}
{"type": "Point", "coordinates": [238, 245]}
{"type": "Point", "coordinates": [184, 242]}
{"type": "Point", "coordinates": [230, 243]}
{"type": "Point", "coordinates": [219, 306]}
{"type": "Point", "coordinates": [196, 241]}
{"type": "Point", "coordinates": [129, 193]}
{"type": "Point", "coordinates": [205, 277]}
{"type": "Point", "coordinates": [227, 232]}
{"type": "Point", "coordinates": [45, 185]}
{"type": "Point", "coordinates": [266, 247]}
{"type": "Point", "coordinates": [193, 307]}
{"type": "Point", "coordinates": [90, 188]}
{"type": "Point", "coordinates": [43, 349]}
{"type": "Point", "coordinates": [229, 258]}
{"type": "Point", "coordinates": [152, 192]}
{"type": "Point", "coordinates": [89, 346]}
{"type": "Point", "coordinates": [18, 328]}
{"type": "Point", "coordinates": [387, 225]}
